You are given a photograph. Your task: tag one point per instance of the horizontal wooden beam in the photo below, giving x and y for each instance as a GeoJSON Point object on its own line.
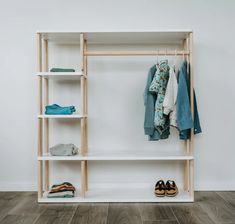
{"type": "Point", "coordinates": [135, 53]}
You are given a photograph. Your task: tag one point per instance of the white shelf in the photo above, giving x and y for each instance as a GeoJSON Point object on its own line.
{"type": "Point", "coordinates": [120, 157]}
{"type": "Point", "coordinates": [61, 75]}
{"type": "Point", "coordinates": [78, 116]}
{"type": "Point", "coordinates": [124, 194]}
{"type": "Point", "coordinates": [118, 37]}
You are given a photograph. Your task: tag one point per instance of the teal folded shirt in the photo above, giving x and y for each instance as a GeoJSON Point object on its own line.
{"type": "Point", "coordinates": [62, 70]}
{"type": "Point", "coordinates": [57, 109]}
{"type": "Point", "coordinates": [62, 196]}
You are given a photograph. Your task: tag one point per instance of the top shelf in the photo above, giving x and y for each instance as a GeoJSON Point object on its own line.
{"type": "Point", "coordinates": [118, 37]}
{"type": "Point", "coordinates": [61, 75]}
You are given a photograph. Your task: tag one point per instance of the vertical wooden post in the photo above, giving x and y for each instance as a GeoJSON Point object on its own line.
{"type": "Point", "coordinates": [46, 120]}
{"type": "Point", "coordinates": [187, 57]}
{"type": "Point", "coordinates": [39, 68]}
{"type": "Point", "coordinates": [192, 111]}
{"type": "Point", "coordinates": [85, 95]}
{"type": "Point", "coordinates": [191, 88]}
{"type": "Point", "coordinates": [83, 119]}
{"type": "Point", "coordinates": [82, 101]}
{"type": "Point", "coordinates": [186, 163]}
{"type": "Point", "coordinates": [86, 112]}
{"type": "Point", "coordinates": [86, 175]}
{"type": "Point", "coordinates": [83, 173]}
{"type": "Point", "coordinates": [40, 167]}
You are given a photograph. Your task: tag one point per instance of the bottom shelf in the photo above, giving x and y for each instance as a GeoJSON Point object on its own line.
{"type": "Point", "coordinates": [142, 194]}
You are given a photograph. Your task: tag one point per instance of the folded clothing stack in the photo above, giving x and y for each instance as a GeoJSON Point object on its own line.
{"type": "Point", "coordinates": [62, 70]}
{"type": "Point", "coordinates": [63, 190]}
{"type": "Point", "coordinates": [64, 150]}
{"type": "Point", "coordinates": [57, 109]}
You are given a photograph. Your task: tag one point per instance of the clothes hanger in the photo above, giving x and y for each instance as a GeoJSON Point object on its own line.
{"type": "Point", "coordinates": [157, 56]}
{"type": "Point", "coordinates": [165, 56]}
{"type": "Point", "coordinates": [174, 65]}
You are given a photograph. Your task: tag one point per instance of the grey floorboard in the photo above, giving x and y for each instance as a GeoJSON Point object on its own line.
{"type": "Point", "coordinates": [18, 219]}
{"type": "Point", "coordinates": [98, 213]}
{"type": "Point", "coordinates": [123, 213]}
{"type": "Point", "coordinates": [209, 208]}
{"type": "Point", "coordinates": [57, 214]}
{"type": "Point", "coordinates": [160, 222]}
{"type": "Point", "coordinates": [156, 212]}
{"type": "Point", "coordinates": [8, 200]}
{"type": "Point", "coordinates": [81, 215]}
{"type": "Point", "coordinates": [191, 213]}
{"type": "Point", "coordinates": [228, 197]}
{"type": "Point", "coordinates": [95, 213]}
{"type": "Point", "coordinates": [216, 207]}
{"type": "Point", "coordinates": [28, 205]}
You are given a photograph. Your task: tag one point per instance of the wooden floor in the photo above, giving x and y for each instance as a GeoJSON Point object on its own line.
{"type": "Point", "coordinates": [209, 208]}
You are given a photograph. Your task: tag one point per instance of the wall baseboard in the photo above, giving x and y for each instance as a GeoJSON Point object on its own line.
{"type": "Point", "coordinates": [18, 186]}
{"type": "Point", "coordinates": [215, 186]}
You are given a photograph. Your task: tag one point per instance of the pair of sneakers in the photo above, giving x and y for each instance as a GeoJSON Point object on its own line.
{"type": "Point", "coordinates": [168, 189]}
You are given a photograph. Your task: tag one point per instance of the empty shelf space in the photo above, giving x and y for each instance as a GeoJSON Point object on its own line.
{"type": "Point", "coordinates": [61, 75]}
{"type": "Point", "coordinates": [78, 116]}
{"type": "Point", "coordinates": [120, 157]}
{"type": "Point", "coordinates": [137, 156]}
{"type": "Point", "coordinates": [123, 194]}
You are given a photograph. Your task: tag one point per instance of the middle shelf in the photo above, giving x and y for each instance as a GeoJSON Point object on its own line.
{"type": "Point", "coordinates": [61, 75]}
{"type": "Point", "coordinates": [120, 157]}
{"type": "Point", "coordinates": [62, 116]}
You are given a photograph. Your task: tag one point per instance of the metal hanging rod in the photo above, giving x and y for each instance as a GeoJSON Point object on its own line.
{"type": "Point", "coordinates": [135, 53]}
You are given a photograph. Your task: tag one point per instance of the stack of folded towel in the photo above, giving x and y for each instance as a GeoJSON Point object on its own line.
{"type": "Point", "coordinates": [62, 70]}
{"type": "Point", "coordinates": [63, 190]}
{"type": "Point", "coordinates": [57, 109]}
{"type": "Point", "coordinates": [64, 150]}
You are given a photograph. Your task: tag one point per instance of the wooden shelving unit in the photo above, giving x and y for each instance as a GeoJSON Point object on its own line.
{"type": "Point", "coordinates": [144, 193]}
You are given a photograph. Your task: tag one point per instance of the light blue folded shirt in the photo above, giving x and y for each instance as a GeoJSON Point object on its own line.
{"type": "Point", "coordinates": [57, 109]}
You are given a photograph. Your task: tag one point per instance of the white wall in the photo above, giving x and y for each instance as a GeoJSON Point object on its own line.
{"type": "Point", "coordinates": [115, 89]}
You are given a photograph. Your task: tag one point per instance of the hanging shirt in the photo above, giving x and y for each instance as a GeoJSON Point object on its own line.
{"type": "Point", "coordinates": [169, 103]}
{"type": "Point", "coordinates": [184, 115]}
{"type": "Point", "coordinates": [149, 102]}
{"type": "Point", "coordinates": [158, 86]}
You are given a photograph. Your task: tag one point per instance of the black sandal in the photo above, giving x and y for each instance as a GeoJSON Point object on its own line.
{"type": "Point", "coordinates": [171, 188]}
{"type": "Point", "coordinates": [160, 188]}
